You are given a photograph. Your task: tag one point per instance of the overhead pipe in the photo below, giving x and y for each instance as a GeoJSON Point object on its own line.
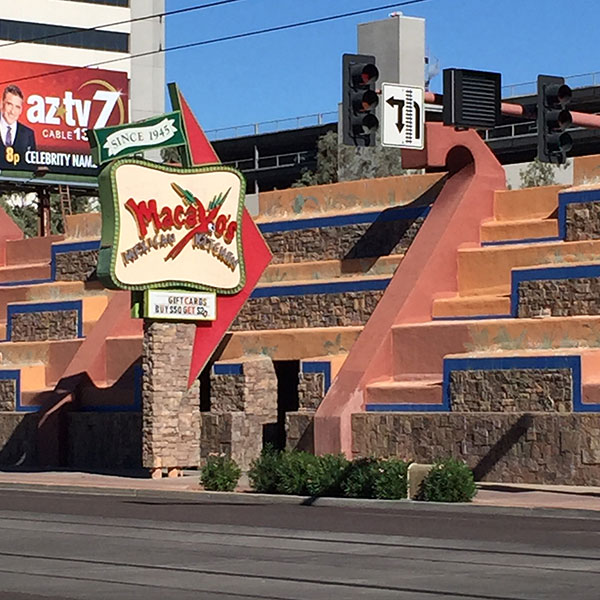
{"type": "Point", "coordinates": [590, 121]}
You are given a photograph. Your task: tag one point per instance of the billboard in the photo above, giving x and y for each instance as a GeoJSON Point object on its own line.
{"type": "Point", "coordinates": [45, 111]}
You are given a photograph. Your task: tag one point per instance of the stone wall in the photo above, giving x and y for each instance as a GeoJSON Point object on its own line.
{"type": "Point", "coordinates": [299, 430]}
{"type": "Point", "coordinates": [254, 392]}
{"type": "Point", "coordinates": [171, 411]}
{"type": "Point", "coordinates": [44, 325]}
{"type": "Point", "coordinates": [583, 221]}
{"type": "Point", "coordinates": [512, 390]}
{"type": "Point", "coordinates": [311, 390]}
{"type": "Point", "coordinates": [18, 439]}
{"type": "Point", "coordinates": [311, 310]}
{"type": "Point", "coordinates": [505, 447]}
{"type": "Point", "coordinates": [364, 240]}
{"type": "Point", "coordinates": [8, 394]}
{"type": "Point", "coordinates": [559, 297]}
{"type": "Point", "coordinates": [104, 440]}
{"type": "Point", "coordinates": [76, 266]}
{"type": "Point", "coordinates": [234, 434]}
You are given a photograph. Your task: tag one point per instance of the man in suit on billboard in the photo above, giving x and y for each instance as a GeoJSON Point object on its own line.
{"type": "Point", "coordinates": [16, 138]}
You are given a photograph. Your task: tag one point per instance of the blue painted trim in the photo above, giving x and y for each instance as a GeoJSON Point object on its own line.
{"type": "Point", "coordinates": [572, 362]}
{"type": "Point", "coordinates": [546, 273]}
{"type": "Point", "coordinates": [565, 198]}
{"type": "Point", "coordinates": [228, 369]}
{"type": "Point", "coordinates": [62, 248]}
{"type": "Point", "coordinates": [15, 375]}
{"type": "Point", "coordinates": [334, 287]}
{"type": "Point", "coordinates": [406, 408]}
{"type": "Point", "coordinates": [14, 309]}
{"type": "Point", "coordinates": [318, 366]}
{"type": "Point", "coordinates": [471, 318]}
{"type": "Point", "coordinates": [399, 213]}
{"type": "Point", "coordinates": [25, 282]}
{"type": "Point", "coordinates": [523, 241]}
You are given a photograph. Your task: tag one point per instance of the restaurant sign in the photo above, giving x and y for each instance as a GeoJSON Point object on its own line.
{"type": "Point", "coordinates": [171, 227]}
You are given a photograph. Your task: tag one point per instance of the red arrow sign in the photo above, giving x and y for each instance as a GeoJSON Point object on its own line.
{"type": "Point", "coordinates": [256, 252]}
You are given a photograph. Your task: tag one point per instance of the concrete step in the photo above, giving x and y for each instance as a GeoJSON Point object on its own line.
{"type": "Point", "coordinates": [528, 203]}
{"type": "Point", "coordinates": [486, 271]}
{"type": "Point", "coordinates": [529, 229]}
{"type": "Point", "coordinates": [30, 250]}
{"type": "Point", "coordinates": [291, 344]}
{"type": "Point", "coordinates": [471, 306]}
{"type": "Point", "coordinates": [25, 272]}
{"type": "Point", "coordinates": [407, 393]}
{"type": "Point", "coordinates": [330, 269]}
{"type": "Point", "coordinates": [421, 348]}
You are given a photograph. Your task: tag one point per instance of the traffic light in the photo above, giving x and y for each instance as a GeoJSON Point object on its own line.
{"type": "Point", "coordinates": [553, 118]}
{"type": "Point", "coordinates": [359, 100]}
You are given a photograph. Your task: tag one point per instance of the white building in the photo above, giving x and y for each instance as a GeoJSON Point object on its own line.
{"type": "Point", "coordinates": [23, 20]}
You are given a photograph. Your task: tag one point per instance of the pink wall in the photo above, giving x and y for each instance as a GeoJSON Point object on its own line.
{"type": "Point", "coordinates": [428, 270]}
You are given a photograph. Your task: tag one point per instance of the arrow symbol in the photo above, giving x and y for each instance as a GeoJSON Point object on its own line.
{"type": "Point", "coordinates": [400, 106]}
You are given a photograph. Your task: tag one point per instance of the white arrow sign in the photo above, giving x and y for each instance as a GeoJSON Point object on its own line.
{"type": "Point", "coordinates": [403, 116]}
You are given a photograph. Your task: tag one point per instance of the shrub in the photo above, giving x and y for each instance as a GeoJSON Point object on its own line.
{"type": "Point", "coordinates": [390, 481]}
{"type": "Point", "coordinates": [220, 473]}
{"type": "Point", "coordinates": [326, 475]}
{"type": "Point", "coordinates": [292, 472]}
{"type": "Point", "coordinates": [449, 480]}
{"type": "Point", "coordinates": [360, 479]}
{"type": "Point", "coordinates": [263, 473]}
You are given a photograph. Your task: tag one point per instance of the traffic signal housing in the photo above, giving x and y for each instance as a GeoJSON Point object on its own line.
{"type": "Point", "coordinates": [359, 100]}
{"type": "Point", "coordinates": [553, 118]}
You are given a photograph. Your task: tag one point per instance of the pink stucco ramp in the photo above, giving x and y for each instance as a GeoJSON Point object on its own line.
{"type": "Point", "coordinates": [429, 270]}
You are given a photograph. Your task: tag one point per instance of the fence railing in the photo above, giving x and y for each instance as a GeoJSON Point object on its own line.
{"type": "Point", "coordinates": [508, 91]}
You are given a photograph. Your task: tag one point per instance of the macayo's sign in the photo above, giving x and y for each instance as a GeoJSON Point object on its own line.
{"type": "Point", "coordinates": [171, 227]}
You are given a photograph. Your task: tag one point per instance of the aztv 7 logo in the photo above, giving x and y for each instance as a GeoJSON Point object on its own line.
{"type": "Point", "coordinates": [49, 110]}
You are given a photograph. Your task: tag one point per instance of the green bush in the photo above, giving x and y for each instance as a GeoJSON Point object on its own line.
{"type": "Point", "coordinates": [360, 479]}
{"type": "Point", "coordinates": [449, 480]}
{"type": "Point", "coordinates": [390, 481]}
{"type": "Point", "coordinates": [263, 473]}
{"type": "Point", "coordinates": [220, 473]}
{"type": "Point", "coordinates": [326, 475]}
{"type": "Point", "coordinates": [292, 472]}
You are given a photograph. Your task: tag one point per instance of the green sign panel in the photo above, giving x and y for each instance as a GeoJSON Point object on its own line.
{"type": "Point", "coordinates": [110, 143]}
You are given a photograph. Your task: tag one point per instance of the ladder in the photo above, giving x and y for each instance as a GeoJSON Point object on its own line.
{"type": "Point", "coordinates": [65, 200]}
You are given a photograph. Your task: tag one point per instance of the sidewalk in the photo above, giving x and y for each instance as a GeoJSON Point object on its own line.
{"type": "Point", "coordinates": [490, 494]}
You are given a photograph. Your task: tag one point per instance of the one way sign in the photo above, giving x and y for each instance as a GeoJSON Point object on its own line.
{"type": "Point", "coordinates": [403, 116]}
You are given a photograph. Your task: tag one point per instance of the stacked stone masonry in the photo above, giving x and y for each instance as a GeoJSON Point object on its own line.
{"type": "Point", "coordinates": [512, 390]}
{"type": "Point", "coordinates": [76, 266]}
{"type": "Point", "coordinates": [44, 325]}
{"type": "Point", "coordinates": [299, 430]}
{"type": "Point", "coordinates": [311, 390]}
{"type": "Point", "coordinates": [311, 310]}
{"type": "Point", "coordinates": [559, 297]}
{"type": "Point", "coordinates": [104, 440]}
{"type": "Point", "coordinates": [343, 242]}
{"type": "Point", "coordinates": [18, 439]}
{"type": "Point", "coordinates": [233, 434]}
{"type": "Point", "coordinates": [582, 221]}
{"type": "Point", "coordinates": [506, 447]}
{"type": "Point", "coordinates": [171, 411]}
{"type": "Point", "coordinates": [8, 394]}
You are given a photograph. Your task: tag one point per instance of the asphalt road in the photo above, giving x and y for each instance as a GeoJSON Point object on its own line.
{"type": "Point", "coordinates": [99, 547]}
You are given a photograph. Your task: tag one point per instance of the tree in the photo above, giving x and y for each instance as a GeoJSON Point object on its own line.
{"type": "Point", "coordinates": [538, 173]}
{"type": "Point", "coordinates": [347, 163]}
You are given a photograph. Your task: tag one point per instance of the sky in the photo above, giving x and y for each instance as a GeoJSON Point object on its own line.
{"type": "Point", "coordinates": [297, 72]}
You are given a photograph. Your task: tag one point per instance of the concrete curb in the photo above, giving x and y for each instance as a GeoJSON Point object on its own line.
{"type": "Point", "coordinates": [249, 498]}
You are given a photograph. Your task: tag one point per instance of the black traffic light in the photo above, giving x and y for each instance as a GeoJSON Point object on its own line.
{"type": "Point", "coordinates": [553, 118]}
{"type": "Point", "coordinates": [359, 100]}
